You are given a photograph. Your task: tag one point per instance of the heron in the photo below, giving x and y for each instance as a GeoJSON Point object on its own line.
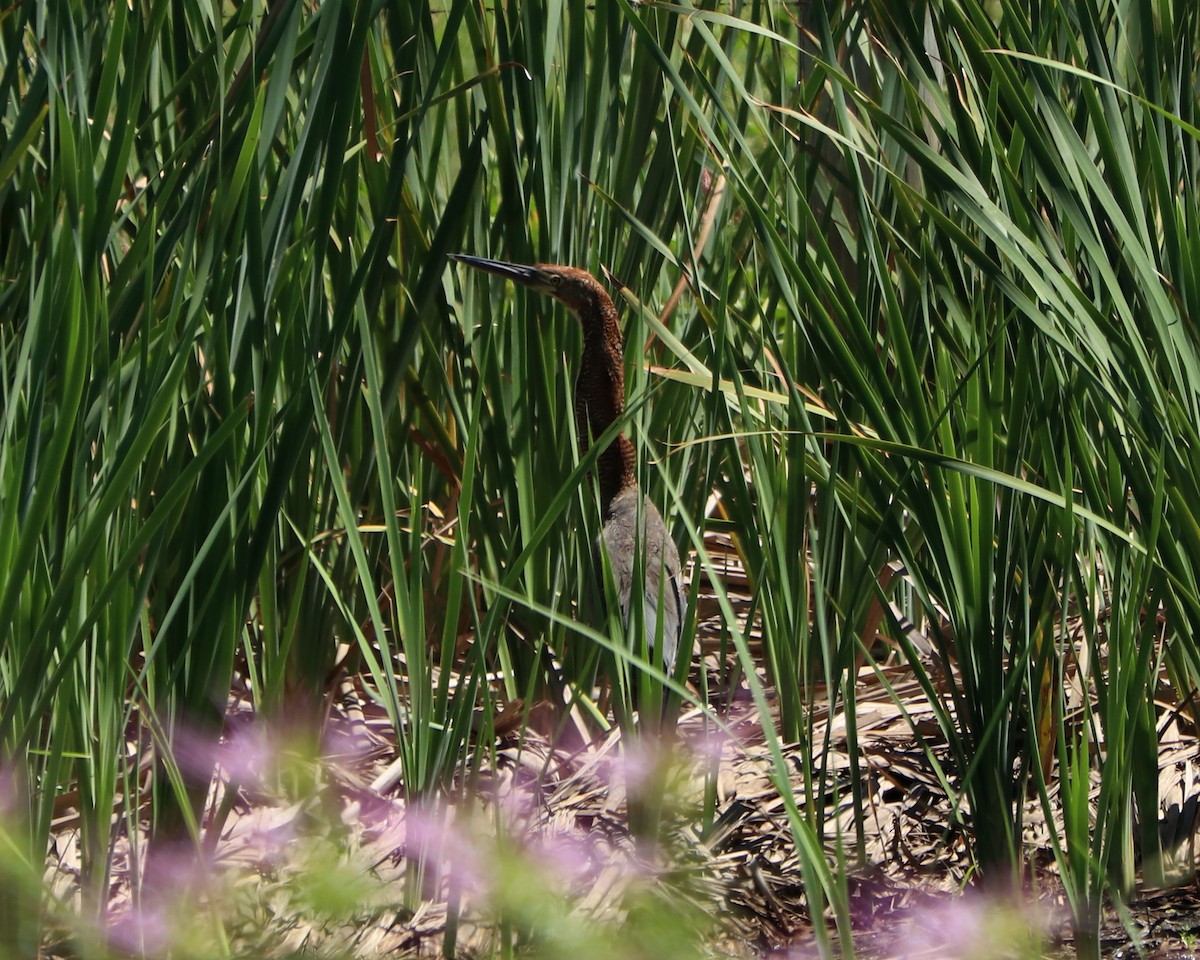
{"type": "Point", "coordinates": [630, 521]}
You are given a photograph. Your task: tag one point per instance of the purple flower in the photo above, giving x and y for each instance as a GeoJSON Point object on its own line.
{"type": "Point", "coordinates": [141, 931]}
{"type": "Point", "coordinates": [973, 925]}
{"type": "Point", "coordinates": [448, 845]}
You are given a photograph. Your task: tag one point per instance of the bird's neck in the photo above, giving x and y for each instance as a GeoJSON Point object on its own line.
{"type": "Point", "coordinates": [600, 400]}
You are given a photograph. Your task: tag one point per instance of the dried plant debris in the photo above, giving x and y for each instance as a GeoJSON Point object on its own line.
{"type": "Point", "coordinates": [324, 854]}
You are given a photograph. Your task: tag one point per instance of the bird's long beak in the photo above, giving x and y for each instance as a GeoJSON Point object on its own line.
{"type": "Point", "coordinates": [517, 272]}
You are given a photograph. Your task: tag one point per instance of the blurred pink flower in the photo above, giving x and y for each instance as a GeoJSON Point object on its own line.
{"type": "Point", "coordinates": [449, 846]}
{"type": "Point", "coordinates": [565, 859]}
{"type": "Point", "coordinates": [172, 871]}
{"type": "Point", "coordinates": [247, 752]}
{"type": "Point", "coordinates": [243, 753]}
{"type": "Point", "coordinates": [170, 887]}
{"type": "Point", "coordinates": [518, 802]}
{"type": "Point", "coordinates": [636, 766]}
{"type": "Point", "coordinates": [141, 931]}
{"type": "Point", "coordinates": [972, 925]}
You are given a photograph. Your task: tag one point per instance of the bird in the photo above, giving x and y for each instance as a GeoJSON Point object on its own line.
{"type": "Point", "coordinates": [630, 521]}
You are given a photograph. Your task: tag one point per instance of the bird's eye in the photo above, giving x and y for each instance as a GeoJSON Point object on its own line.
{"type": "Point", "coordinates": [555, 280]}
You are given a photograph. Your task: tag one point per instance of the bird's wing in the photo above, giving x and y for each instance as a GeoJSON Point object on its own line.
{"type": "Point", "coordinates": [652, 627]}
{"type": "Point", "coordinates": [675, 601]}
{"type": "Point", "coordinates": [666, 599]}
{"type": "Point", "coordinates": [619, 540]}
{"type": "Point", "coordinates": [674, 609]}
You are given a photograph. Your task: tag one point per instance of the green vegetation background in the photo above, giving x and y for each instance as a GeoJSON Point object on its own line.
{"type": "Point", "coordinates": [941, 264]}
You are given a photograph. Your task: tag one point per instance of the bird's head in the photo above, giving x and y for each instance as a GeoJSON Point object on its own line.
{"type": "Point", "coordinates": [576, 289]}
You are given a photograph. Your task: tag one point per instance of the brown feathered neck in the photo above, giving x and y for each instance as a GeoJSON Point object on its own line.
{"type": "Point", "coordinates": [600, 385]}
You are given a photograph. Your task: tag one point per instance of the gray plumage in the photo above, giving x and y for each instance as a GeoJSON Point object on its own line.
{"type": "Point", "coordinates": [664, 575]}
